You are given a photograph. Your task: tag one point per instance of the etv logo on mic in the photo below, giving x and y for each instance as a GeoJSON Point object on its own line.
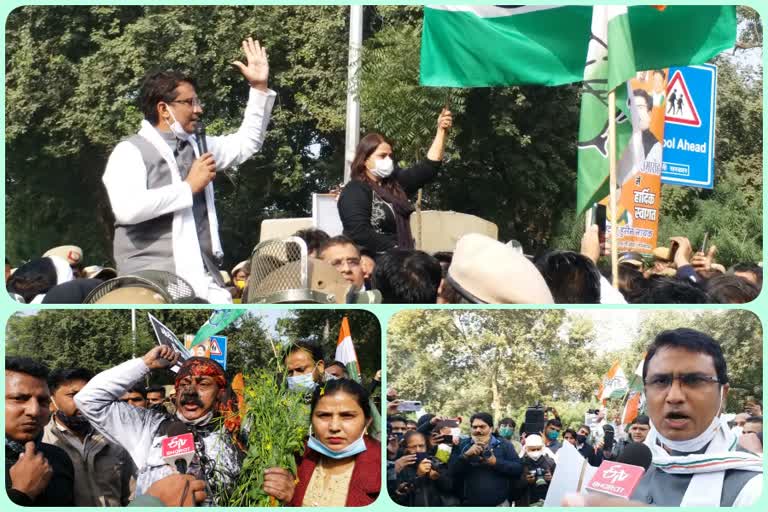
{"type": "Point", "coordinates": [178, 445]}
{"type": "Point", "coordinates": [616, 479]}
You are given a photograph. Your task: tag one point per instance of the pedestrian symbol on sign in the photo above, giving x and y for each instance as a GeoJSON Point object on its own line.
{"type": "Point", "coordinates": [681, 109]}
{"type": "Point", "coordinates": [215, 350]}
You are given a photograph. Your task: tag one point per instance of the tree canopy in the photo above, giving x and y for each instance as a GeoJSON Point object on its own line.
{"type": "Point", "coordinates": [73, 73]}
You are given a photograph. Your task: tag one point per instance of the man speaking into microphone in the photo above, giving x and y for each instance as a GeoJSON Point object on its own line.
{"type": "Point", "coordinates": [694, 456]}
{"type": "Point", "coordinates": [159, 181]}
{"type": "Point", "coordinates": [150, 438]}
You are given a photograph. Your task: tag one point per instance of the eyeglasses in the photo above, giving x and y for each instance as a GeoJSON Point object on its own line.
{"type": "Point", "coordinates": [692, 381]}
{"type": "Point", "coordinates": [351, 262]}
{"type": "Point", "coordinates": [191, 102]}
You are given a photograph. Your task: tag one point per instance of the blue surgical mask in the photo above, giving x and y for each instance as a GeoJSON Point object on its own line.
{"type": "Point", "coordinates": [304, 382]}
{"type": "Point", "coordinates": [350, 451]}
{"type": "Point", "coordinates": [552, 435]}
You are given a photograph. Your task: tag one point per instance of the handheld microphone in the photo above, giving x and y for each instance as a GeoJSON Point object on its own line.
{"type": "Point", "coordinates": [202, 147]}
{"type": "Point", "coordinates": [616, 478]}
{"type": "Point", "coordinates": [636, 454]}
{"type": "Point", "coordinates": [179, 447]}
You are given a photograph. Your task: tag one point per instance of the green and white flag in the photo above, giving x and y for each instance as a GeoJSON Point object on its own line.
{"type": "Point", "coordinates": [491, 45]}
{"type": "Point", "coordinates": [487, 46]}
{"type": "Point", "coordinates": [625, 40]}
{"type": "Point", "coordinates": [219, 319]}
{"type": "Point", "coordinates": [610, 62]}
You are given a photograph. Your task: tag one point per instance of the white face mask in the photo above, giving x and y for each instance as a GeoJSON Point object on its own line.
{"type": "Point", "coordinates": [535, 455]}
{"type": "Point", "coordinates": [176, 127]}
{"type": "Point", "coordinates": [383, 168]}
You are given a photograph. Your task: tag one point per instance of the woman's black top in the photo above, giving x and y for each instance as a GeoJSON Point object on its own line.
{"type": "Point", "coordinates": [369, 220]}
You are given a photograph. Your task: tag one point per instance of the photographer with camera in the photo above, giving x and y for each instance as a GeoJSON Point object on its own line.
{"type": "Point", "coordinates": [423, 481]}
{"type": "Point", "coordinates": [483, 466]}
{"type": "Point", "coordinates": [538, 467]}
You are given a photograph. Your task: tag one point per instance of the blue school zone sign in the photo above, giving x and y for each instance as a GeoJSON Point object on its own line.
{"type": "Point", "coordinates": [689, 127]}
{"type": "Point", "coordinates": [219, 350]}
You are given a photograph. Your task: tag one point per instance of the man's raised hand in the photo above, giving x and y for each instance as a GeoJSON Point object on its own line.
{"type": "Point", "coordinates": [160, 357]}
{"type": "Point", "coordinates": [257, 69]}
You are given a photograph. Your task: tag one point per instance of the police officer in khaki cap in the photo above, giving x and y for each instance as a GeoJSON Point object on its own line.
{"type": "Point", "coordinates": [484, 270]}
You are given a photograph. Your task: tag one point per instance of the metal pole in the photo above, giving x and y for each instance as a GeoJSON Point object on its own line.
{"type": "Point", "coordinates": [133, 333]}
{"type": "Point", "coordinates": [353, 87]}
{"type": "Point", "coordinates": [612, 180]}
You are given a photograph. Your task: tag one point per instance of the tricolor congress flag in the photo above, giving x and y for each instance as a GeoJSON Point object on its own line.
{"type": "Point", "coordinates": [631, 407]}
{"type": "Point", "coordinates": [345, 350]}
{"type": "Point", "coordinates": [345, 353]}
{"type": "Point", "coordinates": [614, 384]}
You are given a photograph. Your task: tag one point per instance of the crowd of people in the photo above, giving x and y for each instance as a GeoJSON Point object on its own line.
{"type": "Point", "coordinates": [77, 439]}
{"type": "Point", "coordinates": [160, 186]}
{"type": "Point", "coordinates": [481, 270]}
{"type": "Point", "coordinates": [438, 461]}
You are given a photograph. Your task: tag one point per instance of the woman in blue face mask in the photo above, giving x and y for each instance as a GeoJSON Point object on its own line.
{"type": "Point", "coordinates": [341, 464]}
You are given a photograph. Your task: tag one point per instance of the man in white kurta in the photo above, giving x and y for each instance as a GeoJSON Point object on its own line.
{"type": "Point", "coordinates": [160, 186]}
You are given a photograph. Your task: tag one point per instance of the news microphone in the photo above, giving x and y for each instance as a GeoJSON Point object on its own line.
{"type": "Point", "coordinates": [636, 454]}
{"type": "Point", "coordinates": [178, 448]}
{"type": "Point", "coordinates": [616, 479]}
{"type": "Point", "coordinates": [202, 147]}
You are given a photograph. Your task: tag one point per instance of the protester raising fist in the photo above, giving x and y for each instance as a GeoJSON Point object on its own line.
{"type": "Point", "coordinates": [161, 357]}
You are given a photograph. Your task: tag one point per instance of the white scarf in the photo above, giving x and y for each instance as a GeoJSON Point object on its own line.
{"type": "Point", "coordinates": [708, 468]}
{"type": "Point", "coordinates": [186, 246]}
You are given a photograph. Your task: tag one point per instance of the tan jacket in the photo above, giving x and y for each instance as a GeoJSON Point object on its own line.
{"type": "Point", "coordinates": [103, 471]}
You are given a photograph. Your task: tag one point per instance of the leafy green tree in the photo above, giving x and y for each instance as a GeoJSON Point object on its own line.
{"type": "Point", "coordinates": [459, 362]}
{"type": "Point", "coordinates": [69, 104]}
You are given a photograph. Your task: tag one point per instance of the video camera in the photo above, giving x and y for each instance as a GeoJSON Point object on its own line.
{"type": "Point", "coordinates": [534, 419]}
